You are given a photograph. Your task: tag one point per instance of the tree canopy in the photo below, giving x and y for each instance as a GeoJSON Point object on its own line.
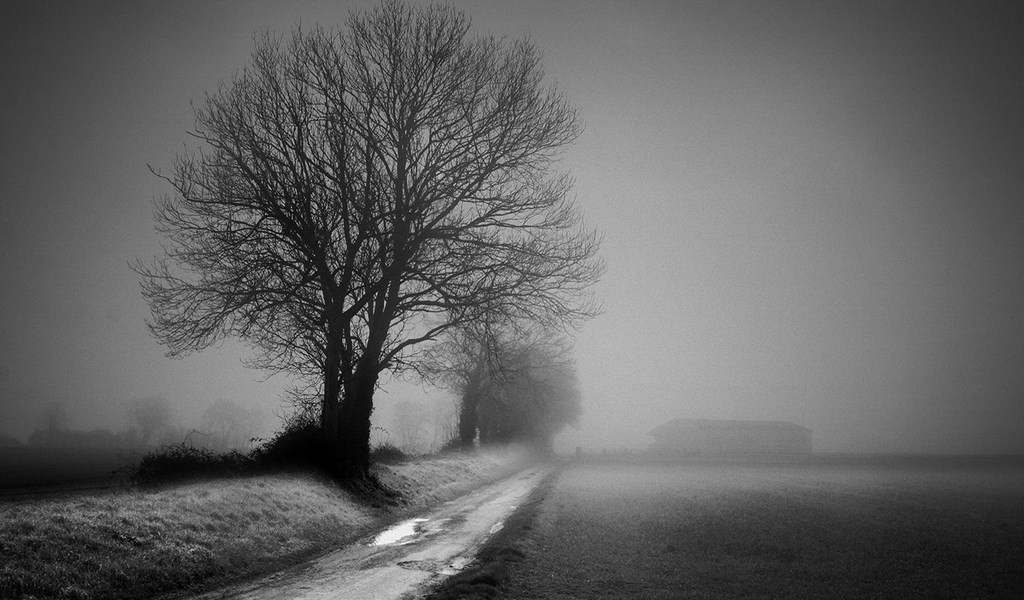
{"type": "Point", "coordinates": [514, 385]}
{"type": "Point", "coordinates": [355, 193]}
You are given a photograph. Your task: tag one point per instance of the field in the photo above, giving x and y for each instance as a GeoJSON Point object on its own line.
{"type": "Point", "coordinates": [27, 467]}
{"type": "Point", "coordinates": [873, 529]}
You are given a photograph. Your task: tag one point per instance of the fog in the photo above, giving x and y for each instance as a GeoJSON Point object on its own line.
{"type": "Point", "coordinates": [811, 210]}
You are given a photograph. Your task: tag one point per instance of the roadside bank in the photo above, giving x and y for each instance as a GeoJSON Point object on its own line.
{"type": "Point", "coordinates": [132, 543]}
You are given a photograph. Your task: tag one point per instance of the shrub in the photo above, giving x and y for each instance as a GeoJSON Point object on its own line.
{"type": "Point", "coordinates": [182, 462]}
{"type": "Point", "coordinates": [387, 453]}
{"type": "Point", "coordinates": [300, 444]}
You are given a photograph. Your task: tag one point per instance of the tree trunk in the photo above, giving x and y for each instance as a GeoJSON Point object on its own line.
{"type": "Point", "coordinates": [329, 406]}
{"type": "Point", "coordinates": [486, 435]}
{"type": "Point", "coordinates": [352, 456]}
{"type": "Point", "coordinates": [467, 417]}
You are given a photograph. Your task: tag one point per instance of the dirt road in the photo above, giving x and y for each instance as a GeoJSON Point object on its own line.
{"type": "Point", "coordinates": [403, 558]}
{"type": "Point", "coordinates": [671, 531]}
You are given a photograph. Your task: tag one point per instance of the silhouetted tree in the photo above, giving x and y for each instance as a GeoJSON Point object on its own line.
{"type": "Point", "coordinates": [468, 360]}
{"type": "Point", "coordinates": [473, 360]}
{"type": "Point", "coordinates": [538, 398]}
{"type": "Point", "coordinates": [513, 384]}
{"type": "Point", "coordinates": [357, 193]}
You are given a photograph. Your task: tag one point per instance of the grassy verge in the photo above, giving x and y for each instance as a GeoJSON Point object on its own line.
{"type": "Point", "coordinates": [141, 543]}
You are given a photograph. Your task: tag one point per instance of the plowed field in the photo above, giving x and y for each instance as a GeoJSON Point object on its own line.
{"type": "Point", "coordinates": [804, 531]}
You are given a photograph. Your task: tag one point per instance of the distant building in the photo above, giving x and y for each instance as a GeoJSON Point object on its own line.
{"type": "Point", "coordinates": [705, 437]}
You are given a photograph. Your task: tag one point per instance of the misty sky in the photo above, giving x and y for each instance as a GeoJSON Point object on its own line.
{"type": "Point", "coordinates": [813, 211]}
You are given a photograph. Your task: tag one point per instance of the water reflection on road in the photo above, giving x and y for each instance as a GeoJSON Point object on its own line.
{"type": "Point", "coordinates": [409, 531]}
{"type": "Point", "coordinates": [400, 533]}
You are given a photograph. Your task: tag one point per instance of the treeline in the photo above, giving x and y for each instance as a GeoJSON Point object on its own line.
{"type": "Point", "coordinates": [150, 422]}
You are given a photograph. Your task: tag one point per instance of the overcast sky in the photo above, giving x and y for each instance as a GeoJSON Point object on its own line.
{"type": "Point", "coordinates": [813, 211]}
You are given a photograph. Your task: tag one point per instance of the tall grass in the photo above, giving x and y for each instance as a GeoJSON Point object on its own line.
{"type": "Point", "coordinates": [136, 543]}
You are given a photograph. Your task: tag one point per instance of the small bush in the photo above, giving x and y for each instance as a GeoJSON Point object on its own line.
{"type": "Point", "coordinates": [300, 444]}
{"type": "Point", "coordinates": [387, 453]}
{"type": "Point", "coordinates": [181, 462]}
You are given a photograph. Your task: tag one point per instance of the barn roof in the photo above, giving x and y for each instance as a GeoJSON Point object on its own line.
{"type": "Point", "coordinates": [677, 426]}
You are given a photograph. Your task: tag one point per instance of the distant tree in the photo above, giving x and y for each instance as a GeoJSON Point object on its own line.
{"type": "Point", "coordinates": [73, 438]}
{"type": "Point", "coordinates": [149, 416]}
{"type": "Point", "coordinates": [53, 418]}
{"type": "Point", "coordinates": [446, 424]}
{"type": "Point", "coordinates": [468, 360]}
{"type": "Point", "coordinates": [229, 425]}
{"type": "Point", "coordinates": [96, 438]}
{"type": "Point", "coordinates": [540, 399]}
{"type": "Point", "coordinates": [179, 435]}
{"type": "Point", "coordinates": [9, 441]}
{"type": "Point", "coordinates": [443, 423]}
{"type": "Point", "coordinates": [359, 192]}
{"type": "Point", "coordinates": [408, 422]}
{"type": "Point", "coordinates": [51, 423]}
{"type": "Point", "coordinates": [513, 385]}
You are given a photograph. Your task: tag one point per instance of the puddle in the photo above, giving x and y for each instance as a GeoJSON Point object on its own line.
{"type": "Point", "coordinates": [410, 531]}
{"type": "Point", "coordinates": [401, 533]}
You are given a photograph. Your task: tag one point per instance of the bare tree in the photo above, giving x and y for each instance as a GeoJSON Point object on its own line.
{"type": "Point", "coordinates": [53, 419]}
{"type": "Point", "coordinates": [230, 426]}
{"type": "Point", "coordinates": [149, 416]}
{"type": "Point", "coordinates": [358, 192]}
{"type": "Point", "coordinates": [52, 424]}
{"type": "Point", "coordinates": [445, 423]}
{"type": "Point", "coordinates": [513, 385]}
{"type": "Point", "coordinates": [408, 421]}
{"type": "Point", "coordinates": [469, 360]}
{"type": "Point", "coordinates": [537, 398]}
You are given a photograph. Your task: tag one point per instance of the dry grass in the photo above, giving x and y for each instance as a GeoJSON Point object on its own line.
{"type": "Point", "coordinates": [137, 544]}
{"type": "Point", "coordinates": [716, 532]}
{"type": "Point", "coordinates": [426, 481]}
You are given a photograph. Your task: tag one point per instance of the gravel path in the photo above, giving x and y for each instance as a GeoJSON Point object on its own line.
{"type": "Point", "coordinates": [402, 558]}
